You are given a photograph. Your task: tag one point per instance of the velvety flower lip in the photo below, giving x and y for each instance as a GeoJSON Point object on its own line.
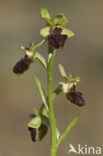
{"type": "Point", "coordinates": [56, 39]}
{"type": "Point", "coordinates": [75, 97]}
{"type": "Point", "coordinates": [22, 65]}
{"type": "Point", "coordinates": [38, 133]}
{"type": "Point", "coordinates": [33, 133]}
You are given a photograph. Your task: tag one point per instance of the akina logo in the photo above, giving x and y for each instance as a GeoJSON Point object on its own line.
{"type": "Point", "coordinates": [85, 150]}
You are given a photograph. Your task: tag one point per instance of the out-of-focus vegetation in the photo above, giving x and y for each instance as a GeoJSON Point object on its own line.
{"type": "Point", "coordinates": [82, 55]}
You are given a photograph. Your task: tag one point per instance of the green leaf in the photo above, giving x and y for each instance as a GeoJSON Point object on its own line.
{"type": "Point", "coordinates": [67, 32]}
{"type": "Point", "coordinates": [35, 123]}
{"type": "Point", "coordinates": [45, 31]}
{"type": "Point", "coordinates": [60, 19]}
{"type": "Point", "coordinates": [62, 71]}
{"type": "Point", "coordinates": [44, 13]}
{"type": "Point", "coordinates": [42, 93]}
{"type": "Point", "coordinates": [41, 59]}
{"type": "Point", "coordinates": [68, 129]}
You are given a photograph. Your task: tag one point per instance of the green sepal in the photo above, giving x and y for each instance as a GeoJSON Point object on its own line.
{"type": "Point", "coordinates": [42, 131]}
{"type": "Point", "coordinates": [67, 32]}
{"type": "Point", "coordinates": [44, 115]}
{"type": "Point", "coordinates": [60, 19]}
{"type": "Point", "coordinates": [44, 32]}
{"type": "Point", "coordinates": [35, 111]}
{"type": "Point", "coordinates": [62, 71]}
{"type": "Point", "coordinates": [50, 22]}
{"type": "Point", "coordinates": [44, 13]}
{"type": "Point", "coordinates": [68, 84]}
{"type": "Point", "coordinates": [35, 122]}
{"type": "Point", "coordinates": [43, 110]}
{"type": "Point", "coordinates": [72, 81]}
{"type": "Point", "coordinates": [42, 93]}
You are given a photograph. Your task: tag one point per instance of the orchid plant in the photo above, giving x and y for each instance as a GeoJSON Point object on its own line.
{"type": "Point", "coordinates": [56, 35]}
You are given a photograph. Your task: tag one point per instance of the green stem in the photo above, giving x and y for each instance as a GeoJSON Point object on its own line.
{"type": "Point", "coordinates": [52, 121]}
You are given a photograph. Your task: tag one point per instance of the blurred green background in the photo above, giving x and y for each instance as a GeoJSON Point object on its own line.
{"type": "Point", "coordinates": [82, 55]}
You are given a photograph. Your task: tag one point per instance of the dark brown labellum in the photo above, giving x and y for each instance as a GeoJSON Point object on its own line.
{"type": "Point", "coordinates": [38, 134]}
{"type": "Point", "coordinates": [75, 97]}
{"type": "Point", "coordinates": [33, 133]}
{"type": "Point", "coordinates": [56, 39]}
{"type": "Point", "coordinates": [22, 65]}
